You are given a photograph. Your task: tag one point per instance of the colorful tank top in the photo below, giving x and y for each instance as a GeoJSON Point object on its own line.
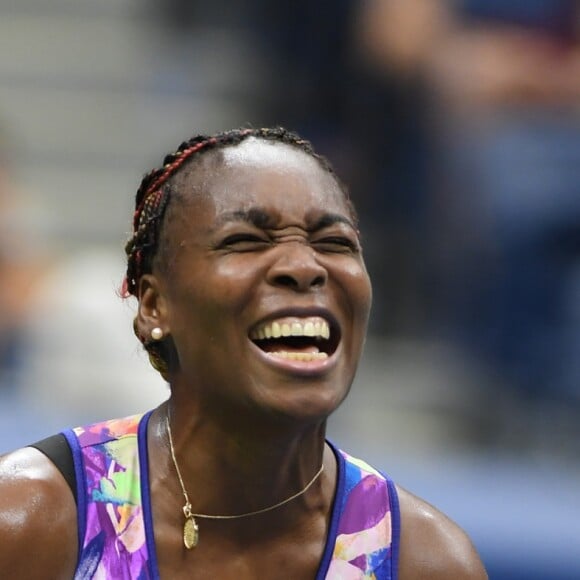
{"type": "Point", "coordinates": [115, 523]}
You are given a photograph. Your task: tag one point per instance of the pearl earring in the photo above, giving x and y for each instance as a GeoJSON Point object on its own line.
{"type": "Point", "coordinates": [156, 333]}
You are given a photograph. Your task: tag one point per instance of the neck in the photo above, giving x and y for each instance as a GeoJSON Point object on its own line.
{"type": "Point", "coordinates": [232, 471]}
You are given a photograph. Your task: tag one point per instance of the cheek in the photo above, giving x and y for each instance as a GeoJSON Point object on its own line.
{"type": "Point", "coordinates": [358, 286]}
{"type": "Point", "coordinates": [234, 281]}
{"type": "Point", "coordinates": [224, 288]}
{"type": "Point", "coordinates": [364, 296]}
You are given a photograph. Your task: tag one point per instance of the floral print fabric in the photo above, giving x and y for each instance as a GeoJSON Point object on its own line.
{"type": "Point", "coordinates": [114, 541]}
{"type": "Point", "coordinates": [363, 544]}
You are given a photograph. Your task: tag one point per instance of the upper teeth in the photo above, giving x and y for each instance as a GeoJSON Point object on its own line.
{"type": "Point", "coordinates": [295, 327]}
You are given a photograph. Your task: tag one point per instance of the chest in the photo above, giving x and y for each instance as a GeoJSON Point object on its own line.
{"type": "Point", "coordinates": [278, 557]}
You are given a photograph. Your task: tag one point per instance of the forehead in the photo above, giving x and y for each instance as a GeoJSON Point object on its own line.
{"type": "Point", "coordinates": [281, 179]}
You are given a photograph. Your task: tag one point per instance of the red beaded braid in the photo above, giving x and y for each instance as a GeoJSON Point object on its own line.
{"type": "Point", "coordinates": [151, 199]}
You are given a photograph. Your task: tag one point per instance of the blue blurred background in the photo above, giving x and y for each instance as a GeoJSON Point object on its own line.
{"type": "Point", "coordinates": [456, 125]}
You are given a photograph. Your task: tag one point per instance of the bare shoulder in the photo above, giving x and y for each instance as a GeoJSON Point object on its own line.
{"type": "Point", "coordinates": [38, 531]}
{"type": "Point", "coordinates": [434, 547]}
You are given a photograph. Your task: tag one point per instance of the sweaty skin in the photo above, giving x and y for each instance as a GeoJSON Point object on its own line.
{"type": "Point", "coordinates": [264, 234]}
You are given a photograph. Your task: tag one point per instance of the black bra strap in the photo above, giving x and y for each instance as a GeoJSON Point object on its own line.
{"type": "Point", "coordinates": [57, 449]}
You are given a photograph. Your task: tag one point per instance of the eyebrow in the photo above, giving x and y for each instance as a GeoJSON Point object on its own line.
{"type": "Point", "coordinates": [263, 220]}
{"type": "Point", "coordinates": [254, 216]}
{"type": "Point", "coordinates": [329, 219]}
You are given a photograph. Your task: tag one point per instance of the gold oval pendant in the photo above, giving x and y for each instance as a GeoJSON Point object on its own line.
{"type": "Point", "coordinates": [190, 533]}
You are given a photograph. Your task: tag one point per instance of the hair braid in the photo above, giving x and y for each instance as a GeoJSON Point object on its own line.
{"type": "Point", "coordinates": [154, 195]}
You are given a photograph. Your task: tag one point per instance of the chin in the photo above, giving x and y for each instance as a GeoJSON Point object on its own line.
{"type": "Point", "coordinates": [310, 406]}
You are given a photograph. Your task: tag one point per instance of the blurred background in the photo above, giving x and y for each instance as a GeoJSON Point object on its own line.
{"type": "Point", "coordinates": [456, 124]}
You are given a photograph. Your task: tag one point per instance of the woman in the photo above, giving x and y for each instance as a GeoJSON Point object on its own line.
{"type": "Point", "coordinates": [253, 304]}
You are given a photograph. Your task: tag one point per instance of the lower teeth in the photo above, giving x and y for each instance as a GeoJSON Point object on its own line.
{"type": "Point", "coordinates": [302, 356]}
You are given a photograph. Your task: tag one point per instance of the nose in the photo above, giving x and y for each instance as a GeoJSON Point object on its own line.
{"type": "Point", "coordinates": [296, 267]}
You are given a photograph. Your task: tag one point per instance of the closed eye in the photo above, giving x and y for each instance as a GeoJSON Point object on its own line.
{"type": "Point", "coordinates": [338, 244]}
{"type": "Point", "coordinates": [244, 242]}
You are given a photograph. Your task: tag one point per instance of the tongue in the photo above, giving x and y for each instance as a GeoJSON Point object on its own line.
{"type": "Point", "coordinates": [276, 346]}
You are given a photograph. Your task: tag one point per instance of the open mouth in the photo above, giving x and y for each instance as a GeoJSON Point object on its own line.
{"type": "Point", "coordinates": [303, 339]}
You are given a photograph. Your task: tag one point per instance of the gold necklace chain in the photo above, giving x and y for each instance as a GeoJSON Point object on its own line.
{"type": "Point", "coordinates": [190, 527]}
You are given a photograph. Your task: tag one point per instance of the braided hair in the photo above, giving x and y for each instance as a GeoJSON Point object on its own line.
{"type": "Point", "coordinates": [155, 194]}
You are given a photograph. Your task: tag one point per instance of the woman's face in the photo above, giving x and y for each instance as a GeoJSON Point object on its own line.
{"type": "Point", "coordinates": [265, 295]}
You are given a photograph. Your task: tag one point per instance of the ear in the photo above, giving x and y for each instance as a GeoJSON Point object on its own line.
{"type": "Point", "coordinates": [152, 311]}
